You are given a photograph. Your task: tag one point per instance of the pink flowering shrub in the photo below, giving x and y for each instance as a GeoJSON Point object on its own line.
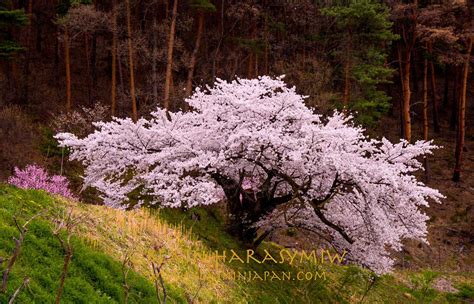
{"type": "Point", "coordinates": [36, 177]}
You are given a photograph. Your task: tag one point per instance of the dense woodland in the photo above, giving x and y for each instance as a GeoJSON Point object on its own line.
{"type": "Point", "coordinates": [402, 68]}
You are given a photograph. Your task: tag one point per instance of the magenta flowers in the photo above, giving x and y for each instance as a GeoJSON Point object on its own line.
{"type": "Point", "coordinates": [36, 177]}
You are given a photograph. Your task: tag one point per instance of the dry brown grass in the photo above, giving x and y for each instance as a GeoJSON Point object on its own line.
{"type": "Point", "coordinates": [189, 265]}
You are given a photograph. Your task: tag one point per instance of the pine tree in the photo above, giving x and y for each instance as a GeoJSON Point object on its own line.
{"type": "Point", "coordinates": [8, 19]}
{"type": "Point", "coordinates": [363, 31]}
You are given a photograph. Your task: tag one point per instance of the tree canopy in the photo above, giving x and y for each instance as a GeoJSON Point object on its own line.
{"type": "Point", "coordinates": [257, 144]}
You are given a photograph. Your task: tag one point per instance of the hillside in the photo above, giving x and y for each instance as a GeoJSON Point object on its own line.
{"type": "Point", "coordinates": [186, 243]}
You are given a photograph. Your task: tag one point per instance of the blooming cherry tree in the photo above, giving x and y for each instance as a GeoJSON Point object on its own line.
{"type": "Point", "coordinates": [276, 162]}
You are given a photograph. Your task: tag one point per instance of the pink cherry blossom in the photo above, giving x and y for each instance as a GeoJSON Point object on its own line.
{"type": "Point", "coordinates": [257, 142]}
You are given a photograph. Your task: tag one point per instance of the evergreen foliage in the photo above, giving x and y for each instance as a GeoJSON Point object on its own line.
{"type": "Point", "coordinates": [363, 32]}
{"type": "Point", "coordinates": [9, 19]}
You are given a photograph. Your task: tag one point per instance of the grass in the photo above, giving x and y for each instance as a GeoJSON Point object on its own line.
{"type": "Point", "coordinates": [93, 276]}
{"type": "Point", "coordinates": [187, 245]}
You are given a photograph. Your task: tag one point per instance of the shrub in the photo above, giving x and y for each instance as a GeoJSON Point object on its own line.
{"type": "Point", "coordinates": [36, 177]}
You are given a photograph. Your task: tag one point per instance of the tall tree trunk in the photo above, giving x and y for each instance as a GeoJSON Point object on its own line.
{"type": "Point", "coordinates": [154, 61]}
{"type": "Point", "coordinates": [256, 65]}
{"type": "Point", "coordinates": [113, 89]}
{"type": "Point", "coordinates": [462, 115]}
{"type": "Point", "coordinates": [169, 61]}
{"type": "Point", "coordinates": [406, 95]}
{"type": "Point", "coordinates": [425, 112]}
{"type": "Point", "coordinates": [454, 100]}
{"type": "Point", "coordinates": [68, 69]}
{"type": "Point", "coordinates": [347, 85]}
{"type": "Point", "coordinates": [220, 25]}
{"type": "Point", "coordinates": [56, 59]}
{"type": "Point", "coordinates": [130, 60]}
{"type": "Point", "coordinates": [251, 58]}
{"type": "Point", "coordinates": [120, 72]}
{"type": "Point", "coordinates": [267, 45]}
{"type": "Point", "coordinates": [192, 64]}
{"type": "Point", "coordinates": [29, 42]}
{"type": "Point", "coordinates": [93, 63]}
{"type": "Point", "coordinates": [88, 67]}
{"type": "Point", "coordinates": [400, 69]}
{"type": "Point", "coordinates": [446, 87]}
{"type": "Point", "coordinates": [250, 65]}
{"type": "Point", "coordinates": [414, 78]}
{"type": "Point", "coordinates": [434, 94]}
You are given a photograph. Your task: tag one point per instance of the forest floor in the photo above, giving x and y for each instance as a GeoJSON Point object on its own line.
{"type": "Point", "coordinates": [451, 227]}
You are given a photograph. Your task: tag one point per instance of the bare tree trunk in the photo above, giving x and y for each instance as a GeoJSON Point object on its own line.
{"type": "Point", "coordinates": [192, 64]}
{"type": "Point", "coordinates": [347, 89]}
{"type": "Point", "coordinates": [120, 72]}
{"type": "Point", "coordinates": [425, 112]}
{"type": "Point", "coordinates": [446, 87]}
{"type": "Point", "coordinates": [462, 115]}
{"type": "Point", "coordinates": [88, 66]}
{"type": "Point", "coordinates": [400, 68]}
{"type": "Point", "coordinates": [256, 65]}
{"type": "Point", "coordinates": [68, 69]}
{"type": "Point", "coordinates": [113, 89]}
{"type": "Point", "coordinates": [406, 95]}
{"type": "Point", "coordinates": [414, 78]}
{"type": "Point", "coordinates": [169, 61]}
{"type": "Point", "coordinates": [252, 53]}
{"type": "Point", "coordinates": [435, 99]}
{"type": "Point", "coordinates": [130, 59]}
{"type": "Point", "coordinates": [29, 42]}
{"type": "Point", "coordinates": [56, 61]}
{"type": "Point", "coordinates": [250, 65]}
{"type": "Point", "coordinates": [434, 95]}
{"type": "Point", "coordinates": [94, 61]}
{"type": "Point", "coordinates": [154, 68]}
{"type": "Point", "coordinates": [267, 46]}
{"type": "Point", "coordinates": [221, 37]}
{"type": "Point", "coordinates": [454, 100]}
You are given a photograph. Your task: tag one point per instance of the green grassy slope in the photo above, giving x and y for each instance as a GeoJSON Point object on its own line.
{"type": "Point", "coordinates": [191, 272]}
{"type": "Point", "coordinates": [93, 276]}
